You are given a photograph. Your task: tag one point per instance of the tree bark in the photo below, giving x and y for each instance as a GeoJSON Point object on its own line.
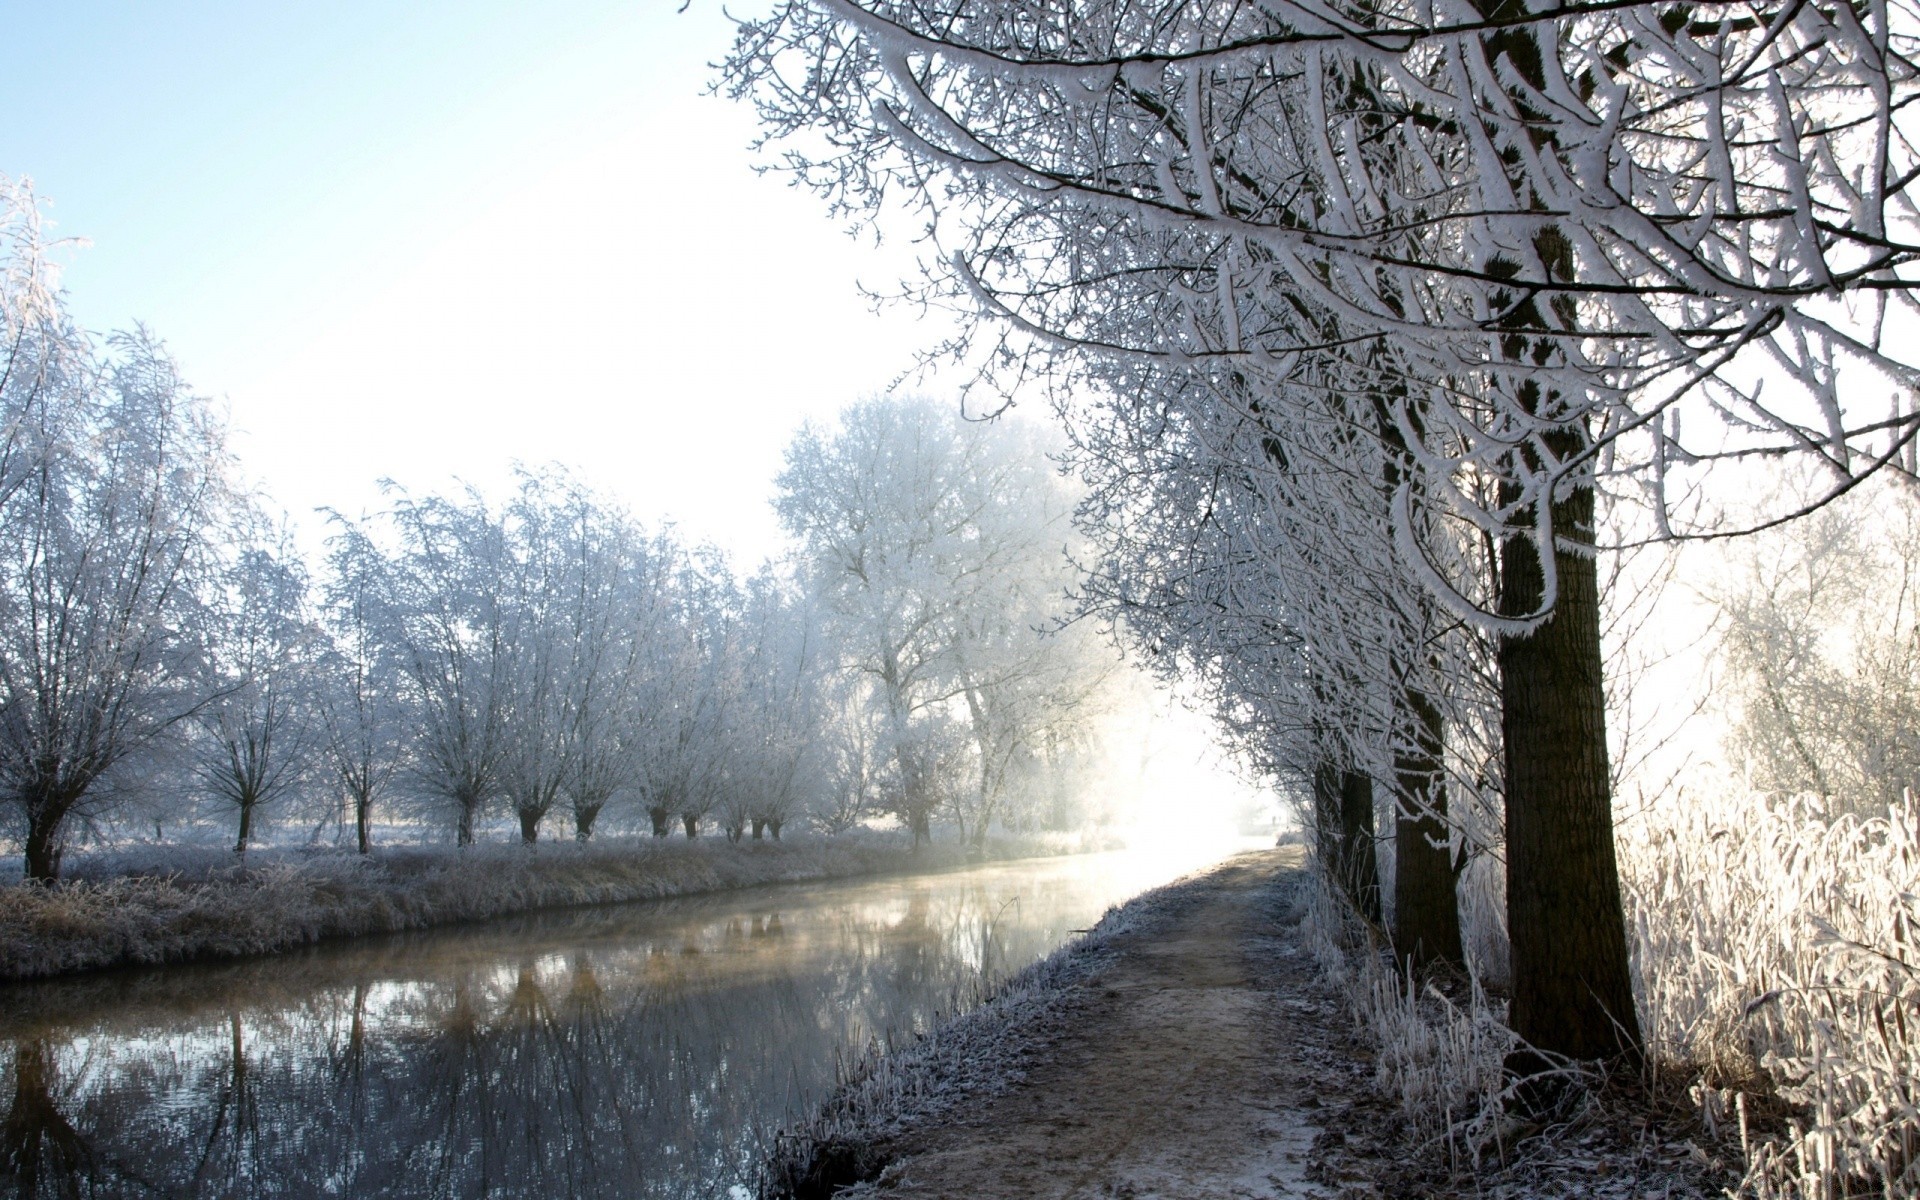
{"type": "Point", "coordinates": [773, 827]}
{"type": "Point", "coordinates": [44, 847]}
{"type": "Point", "coordinates": [1572, 986]}
{"type": "Point", "coordinates": [464, 834]}
{"type": "Point", "coordinates": [759, 827]}
{"type": "Point", "coordinates": [363, 824]}
{"type": "Point", "coordinates": [692, 822]}
{"type": "Point", "coordinates": [583, 819]}
{"type": "Point", "coordinates": [529, 827]}
{"type": "Point", "coordinates": [922, 827]}
{"type": "Point", "coordinates": [660, 818]}
{"type": "Point", "coordinates": [1426, 905]}
{"type": "Point", "coordinates": [1359, 860]}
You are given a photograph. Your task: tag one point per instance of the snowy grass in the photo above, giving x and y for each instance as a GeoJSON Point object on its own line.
{"type": "Point", "coordinates": [152, 906]}
{"type": "Point", "coordinates": [1778, 960]}
{"type": "Point", "coordinates": [1778, 976]}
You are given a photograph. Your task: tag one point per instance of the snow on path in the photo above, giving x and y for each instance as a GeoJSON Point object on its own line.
{"type": "Point", "coordinates": [1205, 1060]}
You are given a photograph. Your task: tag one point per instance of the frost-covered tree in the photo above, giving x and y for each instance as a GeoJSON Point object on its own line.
{"type": "Point", "coordinates": [777, 716]}
{"type": "Point", "coordinates": [691, 679]}
{"type": "Point", "coordinates": [936, 549]}
{"type": "Point", "coordinates": [108, 544]}
{"type": "Point", "coordinates": [1543, 234]}
{"type": "Point", "coordinates": [534, 581]}
{"type": "Point", "coordinates": [440, 617]}
{"type": "Point", "coordinates": [1820, 645]}
{"type": "Point", "coordinates": [361, 713]}
{"type": "Point", "coordinates": [618, 604]}
{"type": "Point", "coordinates": [265, 651]}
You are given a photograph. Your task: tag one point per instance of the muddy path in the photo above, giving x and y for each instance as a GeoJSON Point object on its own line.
{"type": "Point", "coordinates": [1203, 1059]}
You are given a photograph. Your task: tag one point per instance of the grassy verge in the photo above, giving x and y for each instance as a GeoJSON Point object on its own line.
{"type": "Point", "coordinates": [192, 909]}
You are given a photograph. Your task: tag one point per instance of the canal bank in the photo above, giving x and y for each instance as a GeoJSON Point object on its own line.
{"type": "Point", "coordinates": [275, 903]}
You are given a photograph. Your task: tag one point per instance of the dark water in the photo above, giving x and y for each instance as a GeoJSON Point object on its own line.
{"type": "Point", "coordinates": [645, 1050]}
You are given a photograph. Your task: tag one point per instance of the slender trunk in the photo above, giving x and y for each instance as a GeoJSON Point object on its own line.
{"type": "Point", "coordinates": [661, 818]}
{"type": "Point", "coordinates": [1426, 907]}
{"type": "Point", "coordinates": [1343, 836]}
{"type": "Point", "coordinates": [1572, 987]}
{"type": "Point", "coordinates": [735, 831]}
{"type": "Point", "coordinates": [1359, 861]}
{"type": "Point", "coordinates": [246, 827]}
{"type": "Point", "coordinates": [363, 823]}
{"type": "Point", "coordinates": [922, 828]}
{"type": "Point", "coordinates": [692, 822]}
{"type": "Point", "coordinates": [464, 834]}
{"type": "Point", "coordinates": [529, 826]}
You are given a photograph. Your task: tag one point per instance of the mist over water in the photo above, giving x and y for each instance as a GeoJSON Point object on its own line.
{"type": "Point", "coordinates": [642, 1050]}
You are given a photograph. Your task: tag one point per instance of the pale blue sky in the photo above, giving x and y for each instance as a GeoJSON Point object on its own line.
{"type": "Point", "coordinates": [424, 239]}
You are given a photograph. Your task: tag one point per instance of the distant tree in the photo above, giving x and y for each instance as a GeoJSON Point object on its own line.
{"type": "Point", "coordinates": [936, 549]}
{"type": "Point", "coordinates": [692, 678]}
{"type": "Point", "coordinates": [255, 735]}
{"type": "Point", "coordinates": [1821, 647]}
{"type": "Point", "coordinates": [853, 769]}
{"type": "Point", "coordinates": [440, 618]}
{"type": "Point", "coordinates": [358, 690]}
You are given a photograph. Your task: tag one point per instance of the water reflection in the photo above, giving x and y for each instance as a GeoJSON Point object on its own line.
{"type": "Point", "coordinates": [642, 1051]}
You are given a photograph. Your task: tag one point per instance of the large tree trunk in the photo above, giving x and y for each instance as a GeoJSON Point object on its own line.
{"type": "Point", "coordinates": [584, 816]}
{"type": "Point", "coordinates": [692, 822]}
{"type": "Point", "coordinates": [773, 827]}
{"type": "Point", "coordinates": [464, 834]}
{"type": "Point", "coordinates": [759, 827]}
{"type": "Point", "coordinates": [363, 823]}
{"type": "Point", "coordinates": [529, 827]}
{"type": "Point", "coordinates": [45, 844]}
{"type": "Point", "coordinates": [661, 818]}
{"type": "Point", "coordinates": [1426, 906]}
{"type": "Point", "coordinates": [1572, 989]}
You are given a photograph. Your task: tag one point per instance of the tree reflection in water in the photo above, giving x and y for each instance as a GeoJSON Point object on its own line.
{"type": "Point", "coordinates": [642, 1051]}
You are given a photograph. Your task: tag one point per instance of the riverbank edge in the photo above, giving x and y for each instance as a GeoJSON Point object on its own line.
{"type": "Point", "coordinates": [904, 1086]}
{"type": "Point", "coordinates": [242, 912]}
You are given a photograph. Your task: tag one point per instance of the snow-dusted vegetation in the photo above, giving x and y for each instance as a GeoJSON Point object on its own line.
{"type": "Point", "coordinates": [1389, 338]}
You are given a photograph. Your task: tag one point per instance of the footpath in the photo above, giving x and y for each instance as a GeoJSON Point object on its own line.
{"type": "Point", "coordinates": [1197, 1065]}
{"type": "Point", "coordinates": [1188, 1051]}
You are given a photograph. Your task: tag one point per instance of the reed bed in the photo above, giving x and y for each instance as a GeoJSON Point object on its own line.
{"type": "Point", "coordinates": [1778, 977]}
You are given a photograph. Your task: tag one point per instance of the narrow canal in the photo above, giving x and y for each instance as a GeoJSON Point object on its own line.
{"type": "Point", "coordinates": [641, 1050]}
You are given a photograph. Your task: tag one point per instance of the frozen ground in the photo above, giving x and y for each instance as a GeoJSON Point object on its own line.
{"type": "Point", "coordinates": [1186, 1048]}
